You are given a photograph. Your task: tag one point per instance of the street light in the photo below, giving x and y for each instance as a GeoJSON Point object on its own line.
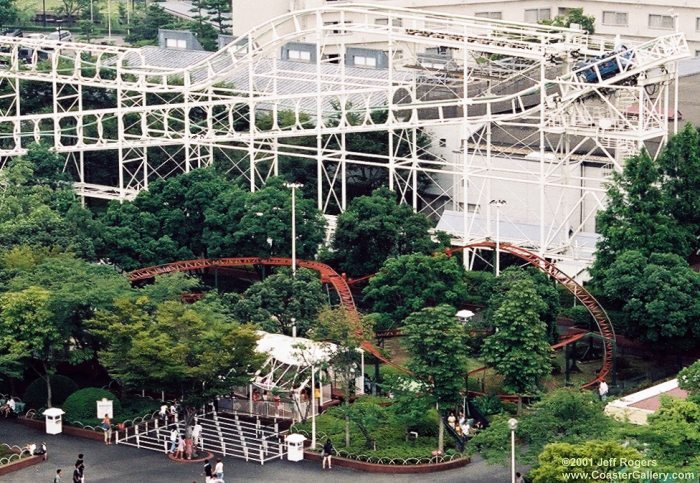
{"type": "Point", "coordinates": [294, 186]}
{"type": "Point", "coordinates": [313, 409]}
{"type": "Point", "coordinates": [498, 204]}
{"type": "Point", "coordinates": [513, 425]}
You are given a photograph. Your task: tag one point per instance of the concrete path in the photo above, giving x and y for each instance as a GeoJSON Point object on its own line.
{"type": "Point", "coordinates": [123, 464]}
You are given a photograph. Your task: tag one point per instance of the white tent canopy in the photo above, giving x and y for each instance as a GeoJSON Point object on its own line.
{"type": "Point", "coordinates": [293, 351]}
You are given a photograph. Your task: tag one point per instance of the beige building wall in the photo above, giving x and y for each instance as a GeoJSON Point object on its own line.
{"type": "Point", "coordinates": [635, 19]}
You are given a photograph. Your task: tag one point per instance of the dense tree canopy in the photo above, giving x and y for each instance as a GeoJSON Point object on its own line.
{"type": "Point", "coordinates": [659, 296]}
{"type": "Point", "coordinates": [374, 228]}
{"type": "Point", "coordinates": [519, 349]}
{"type": "Point", "coordinates": [436, 342]}
{"type": "Point", "coordinates": [272, 303]}
{"type": "Point", "coordinates": [410, 283]}
{"type": "Point", "coordinates": [637, 217]}
{"type": "Point", "coordinates": [564, 415]}
{"type": "Point", "coordinates": [191, 350]}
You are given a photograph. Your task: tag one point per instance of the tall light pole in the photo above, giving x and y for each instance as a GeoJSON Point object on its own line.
{"type": "Point", "coordinates": [313, 408]}
{"type": "Point", "coordinates": [294, 186]}
{"type": "Point", "coordinates": [498, 204]}
{"type": "Point", "coordinates": [513, 425]}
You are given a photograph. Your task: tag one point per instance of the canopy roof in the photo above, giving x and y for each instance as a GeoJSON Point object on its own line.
{"type": "Point", "coordinates": [294, 351]}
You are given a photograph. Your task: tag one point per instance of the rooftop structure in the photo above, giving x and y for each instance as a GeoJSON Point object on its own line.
{"type": "Point", "coordinates": [638, 406]}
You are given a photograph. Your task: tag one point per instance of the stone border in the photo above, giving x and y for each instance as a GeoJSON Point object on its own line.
{"type": "Point", "coordinates": [391, 469]}
{"type": "Point", "coordinates": [70, 430]}
{"type": "Point", "coordinates": [209, 456]}
{"type": "Point", "coordinates": [20, 464]}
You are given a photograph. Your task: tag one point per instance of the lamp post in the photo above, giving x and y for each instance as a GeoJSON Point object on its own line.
{"type": "Point", "coordinates": [43, 3]}
{"type": "Point", "coordinates": [294, 186]}
{"type": "Point", "coordinates": [313, 408]}
{"type": "Point", "coordinates": [513, 425]}
{"type": "Point", "coordinates": [498, 204]}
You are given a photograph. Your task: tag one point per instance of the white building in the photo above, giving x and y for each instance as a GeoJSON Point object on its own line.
{"type": "Point", "coordinates": [636, 19]}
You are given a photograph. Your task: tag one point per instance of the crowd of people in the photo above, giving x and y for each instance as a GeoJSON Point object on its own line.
{"type": "Point", "coordinates": [463, 426]}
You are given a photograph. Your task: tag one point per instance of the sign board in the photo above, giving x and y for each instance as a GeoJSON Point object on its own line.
{"type": "Point", "coordinates": [104, 406]}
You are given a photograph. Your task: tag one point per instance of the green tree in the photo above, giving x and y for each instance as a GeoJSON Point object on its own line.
{"type": "Point", "coordinates": [216, 9]}
{"type": "Point", "coordinates": [544, 287]}
{"type": "Point", "coordinates": [38, 215]}
{"type": "Point", "coordinates": [30, 334]}
{"type": "Point", "coordinates": [272, 303]}
{"type": "Point", "coordinates": [559, 460]}
{"type": "Point", "coordinates": [345, 336]}
{"type": "Point", "coordinates": [689, 378]}
{"type": "Point", "coordinates": [268, 216]}
{"type": "Point", "coordinates": [190, 350]}
{"type": "Point", "coordinates": [673, 435]}
{"type": "Point", "coordinates": [374, 228]}
{"type": "Point", "coordinates": [519, 349]}
{"type": "Point", "coordinates": [636, 217]}
{"type": "Point", "coordinates": [574, 15]}
{"type": "Point", "coordinates": [562, 416]}
{"type": "Point", "coordinates": [77, 289]}
{"type": "Point", "coordinates": [680, 166]}
{"type": "Point", "coordinates": [410, 283]}
{"type": "Point", "coordinates": [436, 342]}
{"type": "Point", "coordinates": [163, 224]}
{"type": "Point", "coordinates": [8, 12]}
{"type": "Point", "coordinates": [659, 296]}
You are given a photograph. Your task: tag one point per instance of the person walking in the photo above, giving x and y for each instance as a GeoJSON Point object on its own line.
{"type": "Point", "coordinates": [107, 428]}
{"type": "Point", "coordinates": [207, 470]}
{"type": "Point", "coordinates": [219, 469]}
{"type": "Point", "coordinates": [174, 439]}
{"type": "Point", "coordinates": [57, 478]}
{"type": "Point", "coordinates": [327, 453]}
{"type": "Point", "coordinates": [519, 478]}
{"type": "Point", "coordinates": [180, 449]}
{"type": "Point", "coordinates": [196, 434]}
{"type": "Point", "coordinates": [603, 390]}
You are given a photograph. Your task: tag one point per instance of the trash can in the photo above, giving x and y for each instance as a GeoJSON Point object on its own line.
{"type": "Point", "coordinates": [54, 420]}
{"type": "Point", "coordinates": [295, 447]}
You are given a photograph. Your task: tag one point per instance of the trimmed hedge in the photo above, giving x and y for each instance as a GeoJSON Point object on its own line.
{"type": "Point", "coordinates": [82, 405]}
{"type": "Point", "coordinates": [61, 388]}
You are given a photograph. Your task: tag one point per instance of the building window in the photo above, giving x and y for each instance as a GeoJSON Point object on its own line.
{"type": "Point", "coordinates": [363, 61]}
{"type": "Point", "coordinates": [661, 22]}
{"type": "Point", "coordinates": [697, 24]}
{"type": "Point", "coordinates": [697, 53]}
{"type": "Point", "coordinates": [299, 55]}
{"type": "Point", "coordinates": [534, 15]}
{"type": "Point", "coordinates": [396, 22]}
{"type": "Point", "coordinates": [175, 43]}
{"type": "Point", "coordinates": [443, 143]}
{"type": "Point", "coordinates": [491, 15]}
{"type": "Point", "coordinates": [336, 30]}
{"type": "Point", "coordinates": [615, 19]}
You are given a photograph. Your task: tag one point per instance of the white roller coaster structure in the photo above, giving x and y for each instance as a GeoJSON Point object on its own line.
{"type": "Point", "coordinates": [572, 104]}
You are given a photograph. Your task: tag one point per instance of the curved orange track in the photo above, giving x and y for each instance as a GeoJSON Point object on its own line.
{"type": "Point", "coordinates": [328, 275]}
{"type": "Point", "coordinates": [340, 284]}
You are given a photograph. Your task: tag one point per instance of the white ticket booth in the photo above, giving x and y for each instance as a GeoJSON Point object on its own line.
{"type": "Point", "coordinates": [295, 447]}
{"type": "Point", "coordinates": [54, 420]}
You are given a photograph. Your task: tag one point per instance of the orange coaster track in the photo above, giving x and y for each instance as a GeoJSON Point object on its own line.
{"type": "Point", "coordinates": [328, 275]}
{"type": "Point", "coordinates": [601, 318]}
{"type": "Point", "coordinates": [340, 284]}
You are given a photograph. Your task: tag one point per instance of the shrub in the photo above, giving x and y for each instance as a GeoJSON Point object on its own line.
{"type": "Point", "coordinates": [81, 405]}
{"type": "Point", "coordinates": [488, 405]}
{"type": "Point", "coordinates": [428, 425]}
{"type": "Point", "coordinates": [61, 387]}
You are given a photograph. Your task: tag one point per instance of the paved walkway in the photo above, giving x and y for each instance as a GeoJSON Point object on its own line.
{"type": "Point", "coordinates": [123, 464]}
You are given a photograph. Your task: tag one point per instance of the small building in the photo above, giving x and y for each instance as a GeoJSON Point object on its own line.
{"type": "Point", "coordinates": [636, 407]}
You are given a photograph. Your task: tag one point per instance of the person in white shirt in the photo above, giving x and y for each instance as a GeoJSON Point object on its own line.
{"type": "Point", "coordinates": [196, 433]}
{"type": "Point", "coordinates": [603, 390]}
{"type": "Point", "coordinates": [174, 440]}
{"type": "Point", "coordinates": [219, 469]}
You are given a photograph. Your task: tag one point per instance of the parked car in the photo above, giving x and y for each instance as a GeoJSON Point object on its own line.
{"type": "Point", "coordinates": [12, 33]}
{"type": "Point", "coordinates": [60, 35]}
{"type": "Point", "coordinates": [607, 65]}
